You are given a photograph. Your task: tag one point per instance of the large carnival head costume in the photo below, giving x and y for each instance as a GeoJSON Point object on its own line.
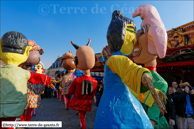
{"type": "Point", "coordinates": [34, 55]}
{"type": "Point", "coordinates": [35, 52]}
{"type": "Point", "coordinates": [85, 57]}
{"type": "Point", "coordinates": [106, 53]}
{"type": "Point", "coordinates": [39, 68]}
{"type": "Point", "coordinates": [121, 34]}
{"type": "Point", "coordinates": [67, 61]}
{"type": "Point", "coordinates": [14, 48]}
{"type": "Point", "coordinates": [152, 37]}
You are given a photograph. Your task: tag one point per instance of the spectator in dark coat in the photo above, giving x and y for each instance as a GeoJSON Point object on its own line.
{"type": "Point", "coordinates": [184, 104]}
{"type": "Point", "coordinates": [170, 107]}
{"type": "Point", "coordinates": [100, 91]}
{"type": "Point", "coordinates": [175, 85]}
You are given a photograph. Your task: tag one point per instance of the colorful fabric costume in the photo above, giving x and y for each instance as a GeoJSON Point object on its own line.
{"type": "Point", "coordinates": [153, 112]}
{"type": "Point", "coordinates": [66, 83]}
{"type": "Point", "coordinates": [151, 42]}
{"type": "Point", "coordinates": [34, 90]}
{"type": "Point", "coordinates": [82, 100]}
{"type": "Point", "coordinates": [33, 95]}
{"type": "Point", "coordinates": [13, 90]}
{"type": "Point", "coordinates": [78, 73]}
{"type": "Point", "coordinates": [118, 108]}
{"type": "Point", "coordinates": [36, 85]}
{"type": "Point", "coordinates": [84, 88]}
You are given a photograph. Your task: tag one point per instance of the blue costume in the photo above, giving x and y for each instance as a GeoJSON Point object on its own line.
{"type": "Point", "coordinates": [118, 107]}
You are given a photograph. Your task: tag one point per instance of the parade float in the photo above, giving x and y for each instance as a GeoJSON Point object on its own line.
{"type": "Point", "coordinates": [178, 64]}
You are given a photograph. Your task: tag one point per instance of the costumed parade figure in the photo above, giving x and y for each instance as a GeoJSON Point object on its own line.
{"type": "Point", "coordinates": [63, 73]}
{"type": "Point", "coordinates": [118, 108]}
{"type": "Point", "coordinates": [66, 80]}
{"type": "Point", "coordinates": [83, 88]}
{"type": "Point", "coordinates": [151, 41]}
{"type": "Point", "coordinates": [14, 50]}
{"type": "Point", "coordinates": [37, 82]}
{"type": "Point", "coordinates": [56, 92]}
{"type": "Point", "coordinates": [39, 68]}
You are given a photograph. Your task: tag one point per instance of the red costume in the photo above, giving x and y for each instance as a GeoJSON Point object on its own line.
{"type": "Point", "coordinates": [35, 78]}
{"type": "Point", "coordinates": [83, 88]}
{"type": "Point", "coordinates": [82, 100]}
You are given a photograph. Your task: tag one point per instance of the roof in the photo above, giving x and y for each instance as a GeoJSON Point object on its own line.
{"type": "Point", "coordinates": [56, 64]}
{"type": "Point", "coordinates": [182, 26]}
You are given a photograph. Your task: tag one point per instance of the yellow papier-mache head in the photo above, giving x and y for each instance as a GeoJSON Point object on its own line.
{"type": "Point", "coordinates": [39, 68]}
{"type": "Point", "coordinates": [129, 41]}
{"type": "Point", "coordinates": [14, 48]}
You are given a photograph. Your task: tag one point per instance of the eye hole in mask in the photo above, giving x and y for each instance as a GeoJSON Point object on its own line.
{"type": "Point", "coordinates": [143, 30]}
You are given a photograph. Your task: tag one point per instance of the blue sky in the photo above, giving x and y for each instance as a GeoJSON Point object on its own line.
{"type": "Point", "coordinates": [54, 24]}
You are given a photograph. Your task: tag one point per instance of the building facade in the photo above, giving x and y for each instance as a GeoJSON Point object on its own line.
{"type": "Point", "coordinates": [56, 66]}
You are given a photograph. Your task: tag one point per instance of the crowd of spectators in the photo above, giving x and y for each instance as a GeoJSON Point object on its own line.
{"type": "Point", "coordinates": [180, 106]}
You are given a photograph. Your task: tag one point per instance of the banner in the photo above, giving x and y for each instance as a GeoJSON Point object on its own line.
{"type": "Point", "coordinates": [180, 45]}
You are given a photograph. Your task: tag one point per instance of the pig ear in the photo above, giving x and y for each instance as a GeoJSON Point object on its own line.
{"type": "Point", "coordinates": [88, 44]}
{"type": "Point", "coordinates": [157, 41]}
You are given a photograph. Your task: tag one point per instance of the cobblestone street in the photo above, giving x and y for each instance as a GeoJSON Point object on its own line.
{"type": "Point", "coordinates": [52, 109]}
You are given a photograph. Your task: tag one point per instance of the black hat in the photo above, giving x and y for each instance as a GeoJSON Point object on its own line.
{"type": "Point", "coordinates": [116, 29]}
{"type": "Point", "coordinates": [14, 42]}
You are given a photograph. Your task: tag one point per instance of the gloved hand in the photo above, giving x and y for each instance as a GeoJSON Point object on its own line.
{"type": "Point", "coordinates": [172, 122]}
{"type": "Point", "coordinates": [51, 85]}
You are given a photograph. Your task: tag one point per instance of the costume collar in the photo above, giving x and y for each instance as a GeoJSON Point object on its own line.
{"type": "Point", "coordinates": [151, 68]}
{"type": "Point", "coordinates": [118, 53]}
{"type": "Point", "coordinates": [85, 76]}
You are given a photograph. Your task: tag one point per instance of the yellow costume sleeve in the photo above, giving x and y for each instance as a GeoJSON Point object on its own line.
{"type": "Point", "coordinates": [54, 81]}
{"type": "Point", "coordinates": [129, 72]}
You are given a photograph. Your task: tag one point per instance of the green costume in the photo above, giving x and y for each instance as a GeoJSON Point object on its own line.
{"type": "Point", "coordinates": [153, 112]}
{"type": "Point", "coordinates": [13, 90]}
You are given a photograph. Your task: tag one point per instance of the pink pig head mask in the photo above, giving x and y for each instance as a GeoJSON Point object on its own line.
{"type": "Point", "coordinates": [152, 32]}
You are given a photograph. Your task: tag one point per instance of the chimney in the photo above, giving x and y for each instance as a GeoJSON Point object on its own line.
{"type": "Point", "coordinates": [58, 56]}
